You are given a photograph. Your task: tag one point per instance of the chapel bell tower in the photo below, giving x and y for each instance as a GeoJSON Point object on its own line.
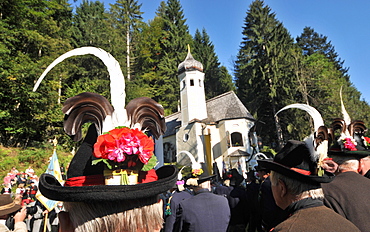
{"type": "Point", "coordinates": [193, 100]}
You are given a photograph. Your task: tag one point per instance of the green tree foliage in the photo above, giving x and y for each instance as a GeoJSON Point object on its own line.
{"type": "Point", "coordinates": [91, 25]}
{"type": "Point", "coordinates": [174, 39]}
{"type": "Point", "coordinates": [128, 20]}
{"type": "Point", "coordinates": [149, 55]}
{"type": "Point", "coordinates": [312, 42]}
{"type": "Point", "coordinates": [320, 75]}
{"type": "Point", "coordinates": [262, 76]}
{"type": "Point", "coordinates": [32, 32]}
{"type": "Point", "coordinates": [217, 80]}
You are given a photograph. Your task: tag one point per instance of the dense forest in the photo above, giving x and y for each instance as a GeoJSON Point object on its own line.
{"type": "Point", "coordinates": [272, 69]}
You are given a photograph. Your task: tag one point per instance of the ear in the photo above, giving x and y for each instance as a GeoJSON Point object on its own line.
{"type": "Point", "coordinates": [360, 166]}
{"type": "Point", "coordinates": [282, 188]}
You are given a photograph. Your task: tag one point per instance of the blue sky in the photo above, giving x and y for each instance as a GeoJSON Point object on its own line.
{"type": "Point", "coordinates": [345, 23]}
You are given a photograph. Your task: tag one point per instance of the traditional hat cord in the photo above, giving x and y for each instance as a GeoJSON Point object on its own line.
{"type": "Point", "coordinates": [7, 206]}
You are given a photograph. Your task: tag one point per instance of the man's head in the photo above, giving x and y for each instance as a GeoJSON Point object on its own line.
{"type": "Point", "coordinates": [346, 163]}
{"type": "Point", "coordinates": [287, 190]}
{"type": "Point", "coordinates": [294, 174]}
{"type": "Point", "coordinates": [351, 161]}
{"type": "Point", "coordinates": [364, 165]}
{"type": "Point", "coordinates": [262, 172]}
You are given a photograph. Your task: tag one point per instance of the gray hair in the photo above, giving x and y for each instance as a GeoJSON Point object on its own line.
{"type": "Point", "coordinates": [346, 163]}
{"type": "Point", "coordinates": [117, 216]}
{"type": "Point", "coordinates": [296, 187]}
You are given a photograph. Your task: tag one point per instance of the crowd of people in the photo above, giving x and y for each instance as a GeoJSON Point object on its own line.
{"type": "Point", "coordinates": [280, 194]}
{"type": "Point", "coordinates": [275, 196]}
{"type": "Point", "coordinates": [287, 195]}
{"type": "Point", "coordinates": [24, 197]}
{"type": "Point", "coordinates": [302, 188]}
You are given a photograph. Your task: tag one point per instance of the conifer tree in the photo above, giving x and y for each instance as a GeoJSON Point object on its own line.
{"type": "Point", "coordinates": [128, 19]}
{"type": "Point", "coordinates": [262, 76]}
{"type": "Point", "coordinates": [174, 40]}
{"type": "Point", "coordinates": [217, 80]}
{"type": "Point", "coordinates": [90, 25]}
{"type": "Point", "coordinates": [312, 42]}
{"type": "Point", "coordinates": [149, 54]}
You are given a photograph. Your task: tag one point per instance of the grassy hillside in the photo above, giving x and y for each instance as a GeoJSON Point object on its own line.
{"type": "Point", "coordinates": [22, 158]}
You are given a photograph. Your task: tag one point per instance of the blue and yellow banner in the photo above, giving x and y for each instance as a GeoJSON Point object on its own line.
{"type": "Point", "coordinates": [53, 169]}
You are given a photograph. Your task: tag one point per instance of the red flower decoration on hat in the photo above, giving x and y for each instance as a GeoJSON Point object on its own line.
{"type": "Point", "coordinates": [197, 172]}
{"type": "Point", "coordinates": [349, 145]}
{"type": "Point", "coordinates": [121, 144]}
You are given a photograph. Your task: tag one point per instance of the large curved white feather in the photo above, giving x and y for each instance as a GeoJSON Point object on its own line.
{"type": "Point", "coordinates": [316, 116]}
{"type": "Point", "coordinates": [179, 175]}
{"type": "Point", "coordinates": [346, 117]}
{"type": "Point", "coordinates": [310, 142]}
{"type": "Point", "coordinates": [194, 163]}
{"type": "Point", "coordinates": [117, 81]}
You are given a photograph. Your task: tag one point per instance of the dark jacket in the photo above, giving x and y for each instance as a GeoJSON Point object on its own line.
{"type": "Point", "coordinates": [238, 206]}
{"type": "Point", "coordinates": [203, 212]}
{"type": "Point", "coordinates": [310, 215]}
{"type": "Point", "coordinates": [271, 214]}
{"type": "Point", "coordinates": [348, 195]}
{"type": "Point", "coordinates": [174, 202]}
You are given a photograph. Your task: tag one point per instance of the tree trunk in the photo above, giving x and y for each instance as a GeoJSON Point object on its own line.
{"type": "Point", "coordinates": [279, 132]}
{"type": "Point", "coordinates": [128, 52]}
{"type": "Point", "coordinates": [60, 89]}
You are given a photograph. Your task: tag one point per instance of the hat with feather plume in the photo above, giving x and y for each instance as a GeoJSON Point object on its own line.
{"type": "Point", "coordinates": [351, 140]}
{"type": "Point", "coordinates": [117, 135]}
{"type": "Point", "coordinates": [318, 141]}
{"type": "Point", "coordinates": [294, 160]}
{"type": "Point", "coordinates": [302, 160]}
{"type": "Point", "coordinates": [199, 172]}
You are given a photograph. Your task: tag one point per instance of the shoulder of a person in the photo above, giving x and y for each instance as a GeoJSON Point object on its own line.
{"type": "Point", "coordinates": [20, 227]}
{"type": "Point", "coordinates": [3, 227]}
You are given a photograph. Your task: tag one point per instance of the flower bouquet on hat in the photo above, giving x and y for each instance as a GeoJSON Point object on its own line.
{"type": "Point", "coordinates": [125, 152]}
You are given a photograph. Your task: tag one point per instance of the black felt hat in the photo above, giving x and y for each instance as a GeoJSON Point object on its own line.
{"type": "Point", "coordinates": [344, 153]}
{"type": "Point", "coordinates": [361, 150]}
{"type": "Point", "coordinates": [236, 178]}
{"type": "Point", "coordinates": [261, 168]}
{"type": "Point", "coordinates": [351, 142]}
{"type": "Point", "coordinates": [294, 161]}
{"type": "Point", "coordinates": [205, 176]}
{"type": "Point", "coordinates": [81, 168]}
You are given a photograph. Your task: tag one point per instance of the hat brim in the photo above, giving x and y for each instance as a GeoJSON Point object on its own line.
{"type": "Point", "coordinates": [358, 154]}
{"type": "Point", "coordinates": [10, 210]}
{"type": "Point", "coordinates": [52, 189]}
{"type": "Point", "coordinates": [259, 168]}
{"type": "Point", "coordinates": [203, 179]}
{"type": "Point", "coordinates": [286, 171]}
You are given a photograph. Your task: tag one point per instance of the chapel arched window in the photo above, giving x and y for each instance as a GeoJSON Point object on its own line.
{"type": "Point", "coordinates": [236, 139]}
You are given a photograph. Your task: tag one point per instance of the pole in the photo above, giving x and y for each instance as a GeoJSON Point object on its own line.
{"type": "Point", "coordinates": [45, 221]}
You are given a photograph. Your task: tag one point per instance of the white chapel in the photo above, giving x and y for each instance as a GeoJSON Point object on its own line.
{"type": "Point", "coordinates": [214, 131]}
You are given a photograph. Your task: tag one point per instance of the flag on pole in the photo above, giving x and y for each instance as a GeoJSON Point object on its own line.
{"type": "Point", "coordinates": [53, 169]}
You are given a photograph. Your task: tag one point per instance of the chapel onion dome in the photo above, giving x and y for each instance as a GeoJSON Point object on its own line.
{"type": "Point", "coordinates": [190, 64]}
